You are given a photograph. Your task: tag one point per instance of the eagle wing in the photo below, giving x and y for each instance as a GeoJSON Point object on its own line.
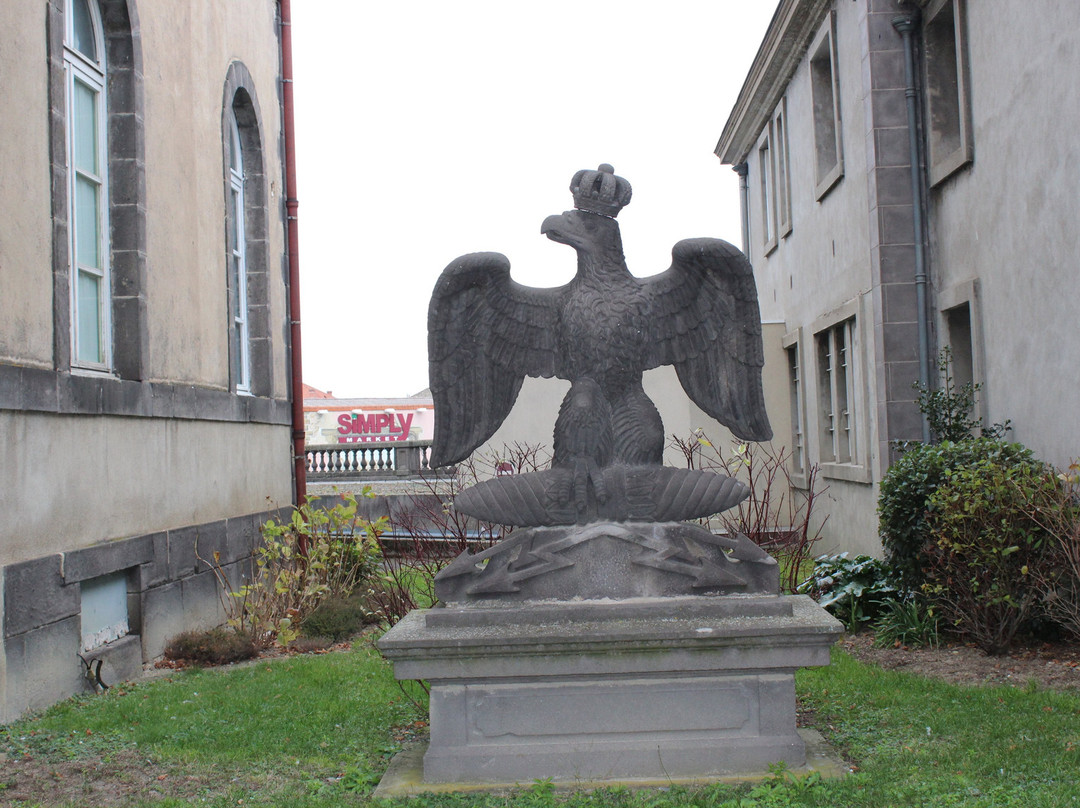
{"type": "Point", "coordinates": [486, 333]}
{"type": "Point", "coordinates": [705, 321]}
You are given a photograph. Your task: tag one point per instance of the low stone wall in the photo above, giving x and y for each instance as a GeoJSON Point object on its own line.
{"type": "Point", "coordinates": [169, 590]}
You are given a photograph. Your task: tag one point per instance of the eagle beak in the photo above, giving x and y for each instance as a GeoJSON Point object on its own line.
{"type": "Point", "coordinates": [556, 228]}
{"type": "Point", "coordinates": [550, 227]}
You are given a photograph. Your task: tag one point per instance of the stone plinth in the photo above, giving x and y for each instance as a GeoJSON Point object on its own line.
{"type": "Point", "coordinates": [605, 690]}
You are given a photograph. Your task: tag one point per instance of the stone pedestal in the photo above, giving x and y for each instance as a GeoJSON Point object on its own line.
{"type": "Point", "coordinates": [598, 690]}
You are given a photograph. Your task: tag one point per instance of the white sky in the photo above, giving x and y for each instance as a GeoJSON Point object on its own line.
{"type": "Point", "coordinates": [430, 129]}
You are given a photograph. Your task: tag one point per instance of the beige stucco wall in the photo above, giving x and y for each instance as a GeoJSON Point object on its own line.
{"type": "Point", "coordinates": [1009, 219]}
{"type": "Point", "coordinates": [25, 238]}
{"type": "Point", "coordinates": [187, 49]}
{"type": "Point", "coordinates": [825, 261]}
{"type": "Point", "coordinates": [76, 481]}
{"type": "Point", "coordinates": [823, 266]}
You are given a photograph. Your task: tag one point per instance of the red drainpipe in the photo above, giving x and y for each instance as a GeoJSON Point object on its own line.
{"type": "Point", "coordinates": [291, 205]}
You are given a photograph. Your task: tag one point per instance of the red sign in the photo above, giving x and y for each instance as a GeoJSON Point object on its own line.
{"type": "Point", "coordinates": [373, 427]}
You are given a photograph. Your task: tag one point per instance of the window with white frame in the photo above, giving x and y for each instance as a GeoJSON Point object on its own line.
{"type": "Point", "coordinates": [949, 119]}
{"type": "Point", "coordinates": [247, 276]}
{"type": "Point", "coordinates": [88, 204]}
{"type": "Point", "coordinates": [825, 94]}
{"type": "Point", "coordinates": [239, 349]}
{"type": "Point", "coordinates": [837, 392]}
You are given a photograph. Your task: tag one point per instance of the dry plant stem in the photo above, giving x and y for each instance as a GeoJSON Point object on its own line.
{"type": "Point", "coordinates": [420, 707]}
{"type": "Point", "coordinates": [428, 534]}
{"type": "Point", "coordinates": [778, 514]}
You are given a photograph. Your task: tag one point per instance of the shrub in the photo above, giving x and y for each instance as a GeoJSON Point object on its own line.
{"type": "Point", "coordinates": [904, 498]}
{"type": "Point", "coordinates": [778, 515]}
{"type": "Point", "coordinates": [854, 590]}
{"type": "Point", "coordinates": [318, 553]}
{"type": "Point", "coordinates": [1059, 579]}
{"type": "Point", "coordinates": [910, 622]}
{"type": "Point", "coordinates": [425, 537]}
{"type": "Point", "coordinates": [217, 646]}
{"type": "Point", "coordinates": [335, 618]}
{"type": "Point", "coordinates": [986, 550]}
{"type": "Point", "coordinates": [948, 408]}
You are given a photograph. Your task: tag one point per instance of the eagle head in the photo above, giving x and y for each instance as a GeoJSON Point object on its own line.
{"type": "Point", "coordinates": [582, 230]}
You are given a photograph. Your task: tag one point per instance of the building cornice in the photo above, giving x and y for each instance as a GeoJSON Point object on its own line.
{"type": "Point", "coordinates": [793, 25]}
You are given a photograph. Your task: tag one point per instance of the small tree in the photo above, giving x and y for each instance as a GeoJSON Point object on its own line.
{"type": "Point", "coordinates": [949, 409]}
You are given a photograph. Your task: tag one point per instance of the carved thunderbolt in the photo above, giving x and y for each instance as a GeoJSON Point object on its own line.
{"type": "Point", "coordinates": [600, 332]}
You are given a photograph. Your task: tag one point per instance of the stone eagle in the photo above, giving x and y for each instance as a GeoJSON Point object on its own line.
{"type": "Point", "coordinates": [600, 332]}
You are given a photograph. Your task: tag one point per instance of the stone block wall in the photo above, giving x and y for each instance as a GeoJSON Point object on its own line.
{"type": "Point", "coordinates": [169, 590]}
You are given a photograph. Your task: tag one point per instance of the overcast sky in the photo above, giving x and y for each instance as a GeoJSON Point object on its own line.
{"type": "Point", "coordinates": [429, 129]}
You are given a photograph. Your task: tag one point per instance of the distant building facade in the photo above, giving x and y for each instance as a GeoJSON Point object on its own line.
{"type": "Point", "coordinates": [329, 420]}
{"type": "Point", "coordinates": [144, 373]}
{"type": "Point", "coordinates": [873, 268]}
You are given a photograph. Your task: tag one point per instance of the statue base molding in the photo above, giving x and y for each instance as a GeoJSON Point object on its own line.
{"type": "Point", "coordinates": [609, 690]}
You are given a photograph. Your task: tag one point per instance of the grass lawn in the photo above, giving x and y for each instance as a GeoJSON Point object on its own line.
{"type": "Point", "coordinates": [318, 731]}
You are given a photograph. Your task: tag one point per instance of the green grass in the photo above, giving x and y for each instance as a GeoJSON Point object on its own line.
{"type": "Point", "coordinates": [318, 730]}
{"type": "Point", "coordinates": [305, 719]}
{"type": "Point", "coordinates": [926, 743]}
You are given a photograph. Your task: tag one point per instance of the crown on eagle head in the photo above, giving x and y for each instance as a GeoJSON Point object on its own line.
{"type": "Point", "coordinates": [600, 191]}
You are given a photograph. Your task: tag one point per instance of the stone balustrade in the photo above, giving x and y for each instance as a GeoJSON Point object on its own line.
{"type": "Point", "coordinates": [372, 460]}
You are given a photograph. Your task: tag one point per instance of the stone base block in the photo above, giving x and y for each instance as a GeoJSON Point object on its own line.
{"type": "Point", "coordinates": [690, 687]}
{"type": "Point", "coordinates": [405, 775]}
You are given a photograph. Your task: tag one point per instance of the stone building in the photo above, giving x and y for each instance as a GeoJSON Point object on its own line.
{"type": "Point", "coordinates": [873, 267]}
{"type": "Point", "coordinates": [145, 348]}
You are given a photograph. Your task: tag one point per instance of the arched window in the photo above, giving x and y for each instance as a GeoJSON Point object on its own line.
{"type": "Point", "coordinates": [88, 198]}
{"type": "Point", "coordinates": [99, 186]}
{"type": "Point", "coordinates": [239, 348]}
{"type": "Point", "coordinates": [246, 236]}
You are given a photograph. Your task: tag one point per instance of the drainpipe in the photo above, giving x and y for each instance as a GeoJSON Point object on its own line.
{"type": "Point", "coordinates": [291, 205]}
{"type": "Point", "coordinates": [743, 170]}
{"type": "Point", "coordinates": [906, 25]}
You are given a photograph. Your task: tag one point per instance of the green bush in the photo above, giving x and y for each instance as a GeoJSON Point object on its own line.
{"type": "Point", "coordinates": [319, 553]}
{"type": "Point", "coordinates": [336, 619]}
{"type": "Point", "coordinates": [216, 646]}
{"type": "Point", "coordinates": [854, 590]}
{"type": "Point", "coordinates": [1059, 580]}
{"type": "Point", "coordinates": [986, 549]}
{"type": "Point", "coordinates": [904, 499]}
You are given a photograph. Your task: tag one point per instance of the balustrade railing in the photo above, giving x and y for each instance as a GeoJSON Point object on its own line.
{"type": "Point", "coordinates": [368, 460]}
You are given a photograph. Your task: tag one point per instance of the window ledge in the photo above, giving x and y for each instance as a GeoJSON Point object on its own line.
{"type": "Point", "coordinates": [847, 472]}
{"type": "Point", "coordinates": [829, 181]}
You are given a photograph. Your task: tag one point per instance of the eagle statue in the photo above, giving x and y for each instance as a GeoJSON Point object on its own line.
{"type": "Point", "coordinates": [601, 332]}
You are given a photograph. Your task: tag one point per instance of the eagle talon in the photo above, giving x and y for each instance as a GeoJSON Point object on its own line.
{"type": "Point", "coordinates": [585, 471]}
